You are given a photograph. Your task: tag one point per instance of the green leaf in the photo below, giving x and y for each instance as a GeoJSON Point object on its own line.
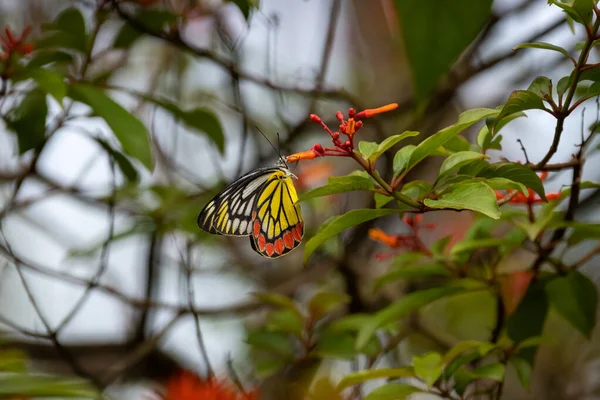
{"type": "Point", "coordinates": [481, 348]}
{"type": "Point", "coordinates": [28, 121]}
{"type": "Point", "coordinates": [475, 196]}
{"type": "Point", "coordinates": [341, 223]}
{"type": "Point", "coordinates": [505, 184]}
{"type": "Point", "coordinates": [429, 145]}
{"type": "Point", "coordinates": [401, 308]}
{"type": "Point", "coordinates": [517, 173]}
{"type": "Point", "coordinates": [325, 303]}
{"type": "Point", "coordinates": [428, 367]}
{"type": "Point", "coordinates": [200, 119]}
{"type": "Point", "coordinates": [577, 10]}
{"type": "Point", "coordinates": [26, 385]}
{"type": "Point", "coordinates": [529, 318]}
{"type": "Point", "coordinates": [393, 391]}
{"type": "Point", "coordinates": [152, 20]}
{"type": "Point", "coordinates": [370, 374]}
{"type": "Point", "coordinates": [286, 321]}
{"type": "Point", "coordinates": [130, 131]}
{"type": "Point", "coordinates": [543, 45]}
{"type": "Point", "coordinates": [339, 184]}
{"type": "Point", "coordinates": [582, 231]}
{"type": "Point", "coordinates": [68, 31]}
{"type": "Point", "coordinates": [275, 342]}
{"type": "Point", "coordinates": [381, 200]}
{"type": "Point", "coordinates": [519, 100]}
{"type": "Point", "coordinates": [451, 27]}
{"type": "Point", "coordinates": [123, 162]}
{"type": "Point", "coordinates": [333, 343]}
{"type": "Point", "coordinates": [563, 85]}
{"type": "Point", "coordinates": [575, 298]}
{"type": "Point", "coordinates": [584, 9]}
{"type": "Point", "coordinates": [277, 300]}
{"type": "Point", "coordinates": [45, 57]}
{"type": "Point", "coordinates": [375, 152]}
{"type": "Point", "coordinates": [457, 160]}
{"type": "Point", "coordinates": [474, 244]}
{"type": "Point", "coordinates": [402, 158]}
{"type": "Point", "coordinates": [367, 149]}
{"type": "Point", "coordinates": [542, 86]}
{"type": "Point", "coordinates": [48, 81]}
{"type": "Point", "coordinates": [523, 369]}
{"type": "Point", "coordinates": [494, 372]}
{"type": "Point", "coordinates": [411, 272]}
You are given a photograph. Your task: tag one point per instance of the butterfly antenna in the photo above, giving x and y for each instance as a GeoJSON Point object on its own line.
{"type": "Point", "coordinates": [272, 145]}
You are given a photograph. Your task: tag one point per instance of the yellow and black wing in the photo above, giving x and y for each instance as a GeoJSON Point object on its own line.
{"type": "Point", "coordinates": [277, 225]}
{"type": "Point", "coordinates": [231, 211]}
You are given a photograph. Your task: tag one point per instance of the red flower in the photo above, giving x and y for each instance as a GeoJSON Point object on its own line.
{"type": "Point", "coordinates": [187, 386]}
{"type": "Point", "coordinates": [11, 44]}
{"type": "Point", "coordinates": [411, 241]}
{"type": "Point", "coordinates": [342, 148]}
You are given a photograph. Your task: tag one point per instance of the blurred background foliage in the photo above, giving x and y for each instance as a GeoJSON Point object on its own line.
{"type": "Point", "coordinates": [147, 108]}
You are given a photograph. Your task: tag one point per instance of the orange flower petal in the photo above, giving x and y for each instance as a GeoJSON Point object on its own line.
{"type": "Point", "coordinates": [374, 111]}
{"type": "Point", "coordinates": [380, 236]}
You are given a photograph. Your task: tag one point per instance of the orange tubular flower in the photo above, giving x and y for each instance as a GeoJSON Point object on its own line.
{"type": "Point", "coordinates": [411, 241]}
{"type": "Point", "coordinates": [11, 44]}
{"type": "Point", "coordinates": [187, 386]}
{"type": "Point", "coordinates": [342, 148]}
{"type": "Point", "coordinates": [531, 198]}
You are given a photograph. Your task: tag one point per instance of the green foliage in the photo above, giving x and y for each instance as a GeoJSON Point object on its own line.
{"type": "Point", "coordinates": [338, 224]}
{"type": "Point", "coordinates": [401, 308]}
{"type": "Point", "coordinates": [372, 151]}
{"type": "Point", "coordinates": [452, 26]}
{"type": "Point", "coordinates": [575, 298]}
{"type": "Point", "coordinates": [519, 100]}
{"type": "Point", "coordinates": [150, 19]}
{"type": "Point", "coordinates": [28, 121]}
{"type": "Point", "coordinates": [339, 184]}
{"type": "Point", "coordinates": [432, 143]}
{"type": "Point", "coordinates": [129, 130]}
{"type": "Point", "coordinates": [68, 31]}
{"type": "Point", "coordinates": [476, 196]}
{"type": "Point", "coordinates": [543, 45]}
{"type": "Point", "coordinates": [199, 119]}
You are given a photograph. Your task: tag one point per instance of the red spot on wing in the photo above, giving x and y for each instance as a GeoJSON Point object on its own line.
{"type": "Point", "coordinates": [297, 233]}
{"type": "Point", "coordinates": [270, 249]}
{"type": "Point", "coordinates": [253, 215]}
{"type": "Point", "coordinates": [279, 246]}
{"type": "Point", "coordinates": [288, 239]}
{"type": "Point", "coordinates": [262, 242]}
{"type": "Point", "coordinates": [256, 228]}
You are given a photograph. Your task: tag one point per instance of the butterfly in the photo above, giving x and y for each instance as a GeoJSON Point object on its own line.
{"type": "Point", "coordinates": [262, 204]}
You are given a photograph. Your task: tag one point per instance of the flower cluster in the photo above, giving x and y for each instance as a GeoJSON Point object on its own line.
{"type": "Point", "coordinates": [11, 44]}
{"type": "Point", "coordinates": [531, 199]}
{"type": "Point", "coordinates": [188, 386]}
{"type": "Point", "coordinates": [343, 146]}
{"type": "Point", "coordinates": [411, 241]}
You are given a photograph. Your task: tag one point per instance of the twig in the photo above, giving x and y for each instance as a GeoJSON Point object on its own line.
{"type": "Point", "coordinates": [191, 302]}
{"type": "Point", "coordinates": [103, 255]}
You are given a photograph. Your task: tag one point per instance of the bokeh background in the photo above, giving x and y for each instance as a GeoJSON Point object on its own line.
{"type": "Point", "coordinates": [71, 226]}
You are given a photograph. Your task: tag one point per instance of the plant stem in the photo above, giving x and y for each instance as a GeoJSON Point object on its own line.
{"type": "Point", "coordinates": [564, 110]}
{"type": "Point", "coordinates": [384, 185]}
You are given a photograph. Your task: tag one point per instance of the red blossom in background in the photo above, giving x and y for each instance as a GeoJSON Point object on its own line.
{"type": "Point", "coordinates": [11, 44]}
{"type": "Point", "coordinates": [342, 148]}
{"type": "Point", "coordinates": [411, 241]}
{"type": "Point", "coordinates": [531, 198]}
{"type": "Point", "coordinates": [188, 386]}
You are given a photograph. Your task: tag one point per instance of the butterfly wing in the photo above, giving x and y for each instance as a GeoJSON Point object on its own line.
{"type": "Point", "coordinates": [230, 212]}
{"type": "Point", "coordinates": [277, 225]}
